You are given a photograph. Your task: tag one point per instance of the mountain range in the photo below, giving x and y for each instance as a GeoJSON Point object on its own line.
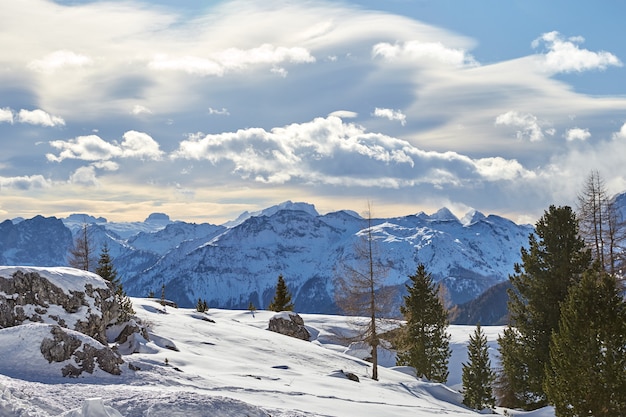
{"type": "Point", "coordinates": [237, 263]}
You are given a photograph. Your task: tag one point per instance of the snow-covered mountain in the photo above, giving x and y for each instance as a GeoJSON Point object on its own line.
{"type": "Point", "coordinates": [222, 363]}
{"type": "Point", "coordinates": [232, 265]}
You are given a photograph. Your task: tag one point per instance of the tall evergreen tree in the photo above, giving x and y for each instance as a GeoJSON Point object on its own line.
{"type": "Point", "coordinates": [587, 372]}
{"type": "Point", "coordinates": [424, 343]}
{"type": "Point", "coordinates": [107, 270]}
{"type": "Point", "coordinates": [478, 377]}
{"type": "Point", "coordinates": [553, 262]}
{"type": "Point", "coordinates": [282, 297]}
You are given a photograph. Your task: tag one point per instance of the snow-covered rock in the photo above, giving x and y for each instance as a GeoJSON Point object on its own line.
{"type": "Point", "coordinates": [290, 324]}
{"type": "Point", "coordinates": [66, 297]}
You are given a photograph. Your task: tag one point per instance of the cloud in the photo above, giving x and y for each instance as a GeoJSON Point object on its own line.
{"type": "Point", "coordinates": [58, 60]}
{"type": "Point", "coordinates": [139, 109]}
{"type": "Point", "coordinates": [391, 115]}
{"type": "Point", "coordinates": [566, 55]}
{"type": "Point", "coordinates": [331, 152]}
{"type": "Point", "coordinates": [24, 182]}
{"type": "Point", "coordinates": [93, 148]}
{"type": "Point", "coordinates": [424, 52]}
{"type": "Point", "coordinates": [344, 114]}
{"type": "Point", "coordinates": [577, 134]}
{"type": "Point", "coordinates": [529, 125]}
{"type": "Point", "coordinates": [220, 112]}
{"type": "Point", "coordinates": [39, 117]}
{"type": "Point", "coordinates": [6, 115]}
{"type": "Point", "coordinates": [84, 176]}
{"type": "Point", "coordinates": [140, 145]}
{"type": "Point", "coordinates": [233, 59]}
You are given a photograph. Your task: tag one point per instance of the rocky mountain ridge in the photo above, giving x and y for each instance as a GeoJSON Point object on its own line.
{"type": "Point", "coordinates": [234, 264]}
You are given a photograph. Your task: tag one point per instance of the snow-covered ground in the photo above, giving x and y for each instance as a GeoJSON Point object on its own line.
{"type": "Point", "coordinates": [225, 363]}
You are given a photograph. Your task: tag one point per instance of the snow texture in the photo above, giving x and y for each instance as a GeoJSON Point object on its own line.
{"type": "Point", "coordinates": [224, 363]}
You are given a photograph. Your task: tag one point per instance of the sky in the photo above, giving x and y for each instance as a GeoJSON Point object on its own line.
{"type": "Point", "coordinates": [203, 110]}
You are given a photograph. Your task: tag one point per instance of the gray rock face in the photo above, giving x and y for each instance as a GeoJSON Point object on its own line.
{"type": "Point", "coordinates": [26, 296]}
{"type": "Point", "coordinates": [64, 346]}
{"type": "Point", "coordinates": [289, 324]}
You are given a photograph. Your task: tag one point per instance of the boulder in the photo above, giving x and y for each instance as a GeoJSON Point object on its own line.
{"type": "Point", "coordinates": [289, 324]}
{"type": "Point", "coordinates": [63, 346]}
{"type": "Point", "coordinates": [67, 297]}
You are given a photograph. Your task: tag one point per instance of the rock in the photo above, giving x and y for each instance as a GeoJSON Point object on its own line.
{"type": "Point", "coordinates": [31, 294]}
{"type": "Point", "coordinates": [64, 346]}
{"type": "Point", "coordinates": [289, 324]}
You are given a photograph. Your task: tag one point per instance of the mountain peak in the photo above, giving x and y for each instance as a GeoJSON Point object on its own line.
{"type": "Point", "coordinates": [471, 217]}
{"type": "Point", "coordinates": [158, 218]}
{"type": "Point", "coordinates": [286, 205]}
{"type": "Point", "coordinates": [443, 214]}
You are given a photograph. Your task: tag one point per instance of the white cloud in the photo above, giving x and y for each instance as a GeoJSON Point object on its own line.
{"type": "Point", "coordinates": [219, 112]}
{"type": "Point", "coordinates": [282, 72]}
{"type": "Point", "coordinates": [529, 125]}
{"type": "Point", "coordinates": [93, 148]}
{"type": "Point", "coordinates": [329, 151]}
{"type": "Point", "coordinates": [6, 115]}
{"type": "Point", "coordinates": [138, 109]}
{"type": "Point", "coordinates": [566, 55]}
{"type": "Point", "coordinates": [39, 117]}
{"type": "Point", "coordinates": [58, 60]}
{"type": "Point", "coordinates": [84, 176]}
{"type": "Point", "coordinates": [577, 134]}
{"type": "Point", "coordinates": [424, 52]}
{"type": "Point", "coordinates": [139, 145]}
{"type": "Point", "coordinates": [24, 182]}
{"type": "Point", "coordinates": [344, 114]}
{"type": "Point", "coordinates": [391, 115]}
{"type": "Point", "coordinates": [621, 135]}
{"type": "Point", "coordinates": [233, 59]}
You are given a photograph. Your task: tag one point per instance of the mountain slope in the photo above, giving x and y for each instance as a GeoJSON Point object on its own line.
{"type": "Point", "coordinates": [241, 264]}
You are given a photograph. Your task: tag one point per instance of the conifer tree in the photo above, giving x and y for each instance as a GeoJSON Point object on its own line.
{"type": "Point", "coordinates": [282, 297]}
{"type": "Point", "coordinates": [424, 343]}
{"type": "Point", "coordinates": [201, 306]}
{"type": "Point", "coordinates": [587, 372]}
{"type": "Point", "coordinates": [478, 377]}
{"type": "Point", "coordinates": [107, 271]}
{"type": "Point", "coordinates": [553, 262]}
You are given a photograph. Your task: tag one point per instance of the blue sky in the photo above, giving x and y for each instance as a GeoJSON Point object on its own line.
{"type": "Point", "coordinates": [205, 109]}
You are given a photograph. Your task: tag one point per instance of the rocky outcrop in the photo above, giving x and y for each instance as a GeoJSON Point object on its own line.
{"type": "Point", "coordinates": [66, 297]}
{"type": "Point", "coordinates": [63, 346]}
{"type": "Point", "coordinates": [289, 324]}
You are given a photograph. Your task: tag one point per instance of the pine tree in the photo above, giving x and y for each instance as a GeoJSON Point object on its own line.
{"type": "Point", "coordinates": [107, 271]}
{"type": "Point", "coordinates": [587, 372]}
{"type": "Point", "coordinates": [282, 297]}
{"type": "Point", "coordinates": [478, 377]}
{"type": "Point", "coordinates": [553, 262]}
{"type": "Point", "coordinates": [424, 343]}
{"type": "Point", "coordinates": [201, 306]}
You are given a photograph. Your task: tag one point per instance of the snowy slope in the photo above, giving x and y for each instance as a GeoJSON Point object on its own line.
{"type": "Point", "coordinates": [225, 363]}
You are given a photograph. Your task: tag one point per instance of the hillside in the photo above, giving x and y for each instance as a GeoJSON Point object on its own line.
{"type": "Point", "coordinates": [224, 363]}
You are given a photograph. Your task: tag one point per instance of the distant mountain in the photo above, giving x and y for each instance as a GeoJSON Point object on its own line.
{"type": "Point", "coordinates": [237, 263]}
{"type": "Point", "coordinates": [240, 264]}
{"type": "Point", "coordinates": [40, 241]}
{"type": "Point", "coordinates": [489, 308]}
